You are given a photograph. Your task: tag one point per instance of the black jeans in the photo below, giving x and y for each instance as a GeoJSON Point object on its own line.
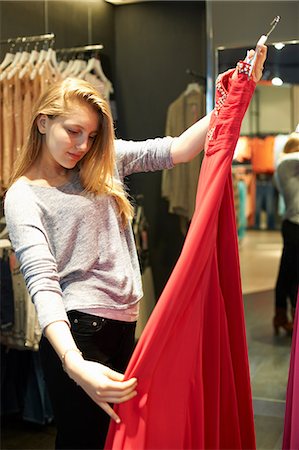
{"type": "Point", "coordinates": [288, 275]}
{"type": "Point", "coordinates": [81, 424]}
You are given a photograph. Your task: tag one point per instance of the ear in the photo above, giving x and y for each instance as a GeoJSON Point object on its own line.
{"type": "Point", "coordinates": [41, 122]}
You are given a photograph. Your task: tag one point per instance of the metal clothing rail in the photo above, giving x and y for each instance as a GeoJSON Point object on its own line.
{"type": "Point", "coordinates": [84, 48]}
{"type": "Point", "coordinates": [196, 75]}
{"type": "Point", "coordinates": [28, 39]}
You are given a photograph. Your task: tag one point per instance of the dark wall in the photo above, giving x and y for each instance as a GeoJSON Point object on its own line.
{"type": "Point", "coordinates": [240, 24]}
{"type": "Point", "coordinates": [20, 19]}
{"type": "Point", "coordinates": [155, 43]}
{"type": "Point", "coordinates": [67, 20]}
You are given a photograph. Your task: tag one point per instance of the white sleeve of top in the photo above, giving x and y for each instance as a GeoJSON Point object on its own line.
{"type": "Point", "coordinates": [38, 266]}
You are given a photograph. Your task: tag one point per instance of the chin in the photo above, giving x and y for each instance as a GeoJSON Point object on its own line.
{"type": "Point", "coordinates": [69, 165]}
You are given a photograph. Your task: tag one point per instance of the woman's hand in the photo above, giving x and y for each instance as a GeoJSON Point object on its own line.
{"type": "Point", "coordinates": [102, 384]}
{"type": "Point", "coordinates": [258, 68]}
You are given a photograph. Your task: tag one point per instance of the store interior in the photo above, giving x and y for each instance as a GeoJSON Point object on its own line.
{"type": "Point", "coordinates": [152, 52]}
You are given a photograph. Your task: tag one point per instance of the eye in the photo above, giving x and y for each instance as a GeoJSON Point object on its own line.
{"type": "Point", "coordinates": [92, 137]}
{"type": "Point", "coordinates": [73, 132]}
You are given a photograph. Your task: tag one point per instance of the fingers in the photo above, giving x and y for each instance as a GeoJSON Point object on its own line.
{"type": "Point", "coordinates": [107, 408]}
{"type": "Point", "coordinates": [104, 400]}
{"type": "Point", "coordinates": [259, 63]}
{"type": "Point", "coordinates": [263, 51]}
{"type": "Point", "coordinates": [116, 390]}
{"type": "Point", "coordinates": [261, 56]}
{"type": "Point", "coordinates": [109, 390]}
{"type": "Point", "coordinates": [250, 54]}
{"type": "Point", "coordinates": [117, 385]}
{"type": "Point", "coordinates": [113, 375]}
{"type": "Point", "coordinates": [116, 376]}
{"type": "Point", "coordinates": [114, 398]}
{"type": "Point", "coordinates": [105, 386]}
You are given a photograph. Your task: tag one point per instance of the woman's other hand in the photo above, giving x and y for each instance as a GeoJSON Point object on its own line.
{"type": "Point", "coordinates": [102, 384]}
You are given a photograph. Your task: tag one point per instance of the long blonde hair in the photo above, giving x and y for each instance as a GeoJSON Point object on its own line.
{"type": "Point", "coordinates": [98, 165]}
{"type": "Point", "coordinates": [292, 144]}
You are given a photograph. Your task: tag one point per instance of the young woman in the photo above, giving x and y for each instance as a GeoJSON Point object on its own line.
{"type": "Point", "coordinates": [69, 221]}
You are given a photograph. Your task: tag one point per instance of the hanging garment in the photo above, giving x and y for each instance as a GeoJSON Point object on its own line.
{"type": "Point", "coordinates": [19, 90]}
{"type": "Point", "coordinates": [265, 200]}
{"type": "Point", "coordinates": [242, 222]}
{"type": "Point", "coordinates": [295, 105]}
{"type": "Point", "coordinates": [191, 361]}
{"type": "Point", "coordinates": [243, 150]}
{"type": "Point", "coordinates": [262, 156]}
{"type": "Point", "coordinates": [291, 429]}
{"type": "Point", "coordinates": [6, 291]}
{"type": "Point", "coordinates": [180, 183]}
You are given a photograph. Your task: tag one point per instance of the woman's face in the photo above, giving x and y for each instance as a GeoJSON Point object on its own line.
{"type": "Point", "coordinates": [66, 139]}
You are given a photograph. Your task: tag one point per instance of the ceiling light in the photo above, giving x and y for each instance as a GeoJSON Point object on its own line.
{"type": "Point", "coordinates": [279, 45]}
{"type": "Point", "coordinates": [276, 81]}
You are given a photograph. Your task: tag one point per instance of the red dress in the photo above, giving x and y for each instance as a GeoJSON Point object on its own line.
{"type": "Point", "coordinates": [191, 361]}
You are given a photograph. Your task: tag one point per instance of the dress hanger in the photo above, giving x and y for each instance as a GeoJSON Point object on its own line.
{"type": "Point", "coordinates": [192, 88]}
{"type": "Point", "coordinates": [262, 40]}
{"type": "Point", "coordinates": [8, 59]}
{"type": "Point", "coordinates": [94, 64]}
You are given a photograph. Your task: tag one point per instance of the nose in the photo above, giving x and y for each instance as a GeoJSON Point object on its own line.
{"type": "Point", "coordinates": [82, 145]}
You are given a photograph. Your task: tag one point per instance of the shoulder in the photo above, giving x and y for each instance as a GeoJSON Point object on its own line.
{"type": "Point", "coordinates": [289, 159]}
{"type": "Point", "coordinates": [19, 200]}
{"type": "Point", "coordinates": [20, 189]}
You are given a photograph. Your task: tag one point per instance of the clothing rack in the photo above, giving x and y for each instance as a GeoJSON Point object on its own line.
{"type": "Point", "coordinates": [29, 39]}
{"type": "Point", "coordinates": [237, 166]}
{"type": "Point", "coordinates": [196, 76]}
{"type": "Point", "coordinates": [263, 135]}
{"type": "Point", "coordinates": [84, 48]}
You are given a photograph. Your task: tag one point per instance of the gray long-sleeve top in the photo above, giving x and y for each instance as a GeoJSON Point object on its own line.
{"type": "Point", "coordinates": [73, 251]}
{"type": "Point", "coordinates": [287, 177]}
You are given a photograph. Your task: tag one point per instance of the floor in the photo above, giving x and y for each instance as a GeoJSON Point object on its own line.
{"type": "Point", "coordinates": [268, 354]}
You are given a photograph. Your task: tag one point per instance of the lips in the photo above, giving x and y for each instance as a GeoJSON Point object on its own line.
{"type": "Point", "coordinates": [75, 156]}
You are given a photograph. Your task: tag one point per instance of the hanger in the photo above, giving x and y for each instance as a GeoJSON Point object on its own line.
{"type": "Point", "coordinates": [192, 88]}
{"type": "Point", "coordinates": [78, 67]}
{"type": "Point", "coordinates": [262, 40]}
{"type": "Point", "coordinates": [41, 59]}
{"type": "Point", "coordinates": [13, 64]}
{"type": "Point", "coordinates": [51, 58]}
{"type": "Point", "coordinates": [94, 64]}
{"type": "Point", "coordinates": [21, 62]}
{"type": "Point", "coordinates": [62, 65]}
{"type": "Point", "coordinates": [68, 69]}
{"type": "Point", "coordinates": [8, 59]}
{"type": "Point", "coordinates": [30, 63]}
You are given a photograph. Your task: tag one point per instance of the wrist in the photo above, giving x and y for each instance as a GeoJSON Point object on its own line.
{"type": "Point", "coordinates": [70, 357]}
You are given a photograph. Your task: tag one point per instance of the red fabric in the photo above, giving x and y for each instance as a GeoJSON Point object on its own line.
{"type": "Point", "coordinates": [191, 360]}
{"type": "Point", "coordinates": [291, 420]}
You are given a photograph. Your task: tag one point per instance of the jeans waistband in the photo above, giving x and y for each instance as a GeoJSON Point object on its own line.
{"type": "Point", "coordinates": [75, 314]}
